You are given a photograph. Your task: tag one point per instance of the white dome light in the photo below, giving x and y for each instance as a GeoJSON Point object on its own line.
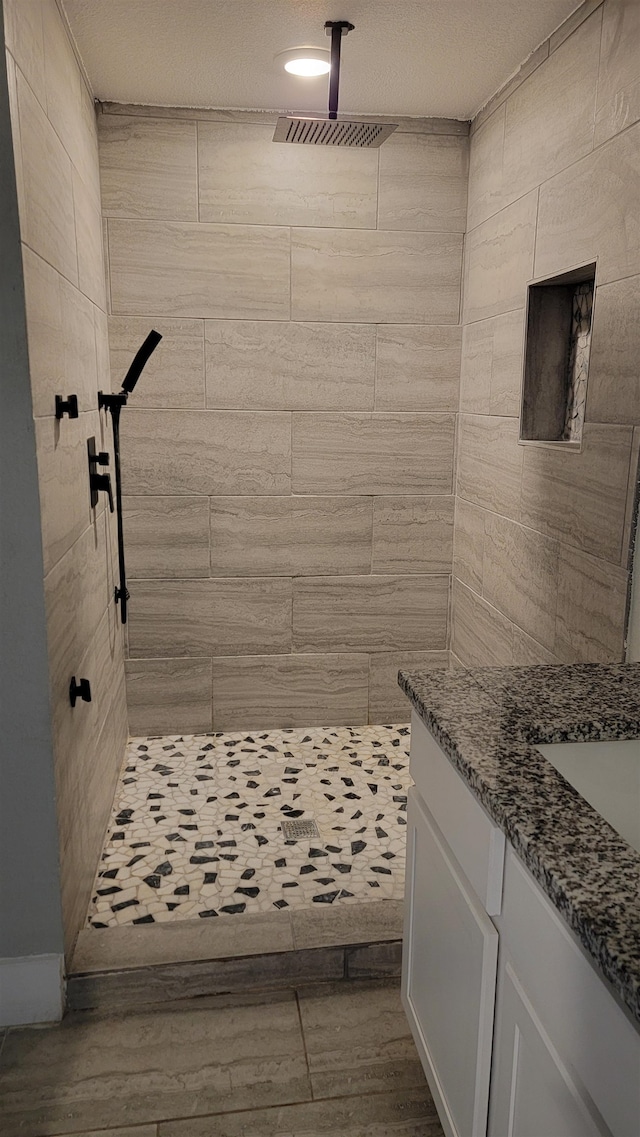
{"type": "Point", "coordinates": [305, 61]}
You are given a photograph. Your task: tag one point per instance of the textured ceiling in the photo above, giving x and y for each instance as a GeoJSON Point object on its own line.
{"type": "Point", "coordinates": [406, 57]}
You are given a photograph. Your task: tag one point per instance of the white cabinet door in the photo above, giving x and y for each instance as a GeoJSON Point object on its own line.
{"type": "Point", "coordinates": [449, 977]}
{"type": "Point", "coordinates": [533, 1093]}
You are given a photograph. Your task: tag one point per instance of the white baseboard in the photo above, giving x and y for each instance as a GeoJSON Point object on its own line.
{"type": "Point", "coordinates": [31, 989]}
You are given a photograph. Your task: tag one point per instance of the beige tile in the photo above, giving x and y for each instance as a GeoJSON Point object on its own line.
{"type": "Point", "coordinates": [16, 145]}
{"type": "Point", "coordinates": [210, 617]}
{"type": "Point", "coordinates": [24, 38]}
{"type": "Point", "coordinates": [101, 334]}
{"type": "Point", "coordinates": [491, 374]}
{"type": "Point", "coordinates": [88, 223]}
{"type": "Point", "coordinates": [129, 1131]}
{"type": "Point", "coordinates": [499, 260]}
{"type": "Point", "coordinates": [357, 1036]}
{"type": "Point", "coordinates": [619, 70]}
{"type": "Point", "coordinates": [616, 115]}
{"type": "Point", "coordinates": [166, 536]}
{"type": "Point", "coordinates": [290, 536]}
{"type": "Point", "coordinates": [63, 477]}
{"type": "Point", "coordinates": [48, 222]}
{"type": "Point", "coordinates": [468, 544]}
{"type": "Point", "coordinates": [613, 391]}
{"type": "Point", "coordinates": [590, 210]}
{"type": "Point", "coordinates": [423, 183]}
{"type": "Point", "coordinates": [527, 652]}
{"type": "Point", "coordinates": [289, 690]}
{"type": "Point", "coordinates": [172, 268]}
{"type": "Point", "coordinates": [480, 635]}
{"type": "Point", "coordinates": [243, 177]}
{"type": "Point", "coordinates": [370, 613]}
{"type": "Point", "coordinates": [417, 367]}
{"type": "Point", "coordinates": [169, 696]}
{"type": "Point", "coordinates": [374, 922]}
{"type": "Point", "coordinates": [490, 463]}
{"type": "Point", "coordinates": [63, 83]}
{"type": "Point", "coordinates": [520, 574]}
{"type": "Point", "coordinates": [592, 598]}
{"type": "Point", "coordinates": [375, 276]}
{"type": "Point", "coordinates": [476, 367]}
{"type": "Point", "coordinates": [412, 534]}
{"type": "Point", "coordinates": [535, 60]}
{"type": "Point", "coordinates": [403, 1113]}
{"type": "Point", "coordinates": [205, 452]}
{"type": "Point", "coordinates": [374, 961]}
{"type": "Point", "coordinates": [148, 167]}
{"type": "Point", "coordinates": [174, 375]}
{"type": "Point", "coordinates": [372, 453]}
{"type": "Point", "coordinates": [387, 703]}
{"type": "Point", "coordinates": [580, 496]}
{"type": "Point", "coordinates": [568, 27]}
{"type": "Point", "coordinates": [549, 119]}
{"type": "Point", "coordinates": [271, 365]}
{"type": "Point", "coordinates": [485, 169]}
{"type": "Point", "coordinates": [632, 491]}
{"type": "Point", "coordinates": [124, 1069]}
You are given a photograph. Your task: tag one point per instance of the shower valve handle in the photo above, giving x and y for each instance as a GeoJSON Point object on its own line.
{"type": "Point", "coordinates": [103, 482]}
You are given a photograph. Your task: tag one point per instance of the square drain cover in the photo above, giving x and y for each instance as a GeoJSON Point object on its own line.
{"type": "Point", "coordinates": [299, 830]}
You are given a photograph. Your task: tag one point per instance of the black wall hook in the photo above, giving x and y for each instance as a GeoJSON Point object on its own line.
{"type": "Point", "coordinates": [79, 690]}
{"type": "Point", "coordinates": [68, 406]}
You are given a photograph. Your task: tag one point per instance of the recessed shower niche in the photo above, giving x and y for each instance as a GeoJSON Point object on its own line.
{"type": "Point", "coordinates": [556, 357]}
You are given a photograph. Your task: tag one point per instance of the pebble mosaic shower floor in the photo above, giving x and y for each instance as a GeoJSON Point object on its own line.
{"type": "Point", "coordinates": [197, 824]}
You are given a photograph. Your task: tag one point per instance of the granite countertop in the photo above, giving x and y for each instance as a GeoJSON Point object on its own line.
{"type": "Point", "coordinates": [489, 721]}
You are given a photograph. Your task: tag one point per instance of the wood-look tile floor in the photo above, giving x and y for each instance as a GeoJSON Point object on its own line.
{"type": "Point", "coordinates": [328, 1061]}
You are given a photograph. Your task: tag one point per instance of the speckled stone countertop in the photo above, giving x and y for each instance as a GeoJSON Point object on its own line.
{"type": "Point", "coordinates": [488, 721]}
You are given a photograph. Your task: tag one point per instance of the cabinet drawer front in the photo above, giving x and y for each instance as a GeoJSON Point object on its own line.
{"type": "Point", "coordinates": [477, 844]}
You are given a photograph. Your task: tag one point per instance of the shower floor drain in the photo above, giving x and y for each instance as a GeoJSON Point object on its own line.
{"type": "Point", "coordinates": [299, 830]}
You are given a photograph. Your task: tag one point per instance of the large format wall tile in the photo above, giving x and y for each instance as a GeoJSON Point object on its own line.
{"type": "Point", "coordinates": [210, 617]}
{"type": "Point", "coordinates": [63, 478]}
{"type": "Point", "coordinates": [485, 169]}
{"type": "Point", "coordinates": [613, 390]}
{"type": "Point", "coordinates": [491, 372]}
{"type": "Point", "coordinates": [417, 367]}
{"type": "Point", "coordinates": [172, 268]}
{"type": "Point", "coordinates": [148, 167]}
{"type": "Point", "coordinates": [65, 90]}
{"type": "Point", "coordinates": [412, 534]}
{"type": "Point", "coordinates": [23, 34]}
{"type": "Point", "coordinates": [245, 177]}
{"type": "Point", "coordinates": [375, 276]}
{"type": "Point", "coordinates": [166, 536]}
{"type": "Point", "coordinates": [544, 133]}
{"type": "Point", "coordinates": [527, 652]}
{"type": "Point", "coordinates": [520, 572]}
{"type": "Point", "coordinates": [580, 497]}
{"type": "Point", "coordinates": [88, 223]}
{"type": "Point", "coordinates": [271, 365]}
{"type": "Point", "coordinates": [490, 463]}
{"type": "Point", "coordinates": [590, 210]}
{"type": "Point", "coordinates": [290, 690]}
{"type": "Point", "coordinates": [499, 260]}
{"type": "Point", "coordinates": [592, 596]}
{"type": "Point", "coordinates": [290, 536]}
{"type": "Point", "coordinates": [370, 613]}
{"type": "Point", "coordinates": [480, 635]}
{"type": "Point", "coordinates": [372, 453]}
{"type": "Point", "coordinates": [468, 546]}
{"type": "Point", "coordinates": [423, 183]}
{"type": "Point", "coordinates": [618, 103]}
{"type": "Point", "coordinates": [169, 695]}
{"type": "Point", "coordinates": [387, 703]}
{"type": "Point", "coordinates": [174, 375]}
{"type": "Point", "coordinates": [205, 452]}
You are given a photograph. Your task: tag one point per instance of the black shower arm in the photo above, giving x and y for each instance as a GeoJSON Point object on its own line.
{"type": "Point", "coordinates": [336, 28]}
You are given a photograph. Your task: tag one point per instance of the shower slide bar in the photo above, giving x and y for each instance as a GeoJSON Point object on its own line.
{"type": "Point", "coordinates": [114, 404]}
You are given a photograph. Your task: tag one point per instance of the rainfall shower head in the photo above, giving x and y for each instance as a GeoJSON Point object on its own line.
{"type": "Point", "coordinates": [139, 361]}
{"type": "Point", "coordinates": [313, 130]}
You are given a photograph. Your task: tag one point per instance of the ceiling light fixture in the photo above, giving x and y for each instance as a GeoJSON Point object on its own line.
{"type": "Point", "coordinates": [305, 61]}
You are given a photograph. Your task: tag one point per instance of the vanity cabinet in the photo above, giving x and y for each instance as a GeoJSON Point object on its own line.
{"type": "Point", "coordinates": [518, 1034]}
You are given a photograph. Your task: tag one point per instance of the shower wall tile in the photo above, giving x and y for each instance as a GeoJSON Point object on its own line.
{"type": "Point", "coordinates": [520, 572]}
{"type": "Point", "coordinates": [591, 597]}
{"type": "Point", "coordinates": [245, 178]}
{"type": "Point", "coordinates": [481, 636]}
{"type": "Point", "coordinates": [88, 223]}
{"type": "Point", "coordinates": [172, 268]}
{"type": "Point", "coordinates": [613, 391]}
{"type": "Point", "coordinates": [387, 703]}
{"type": "Point", "coordinates": [290, 690]}
{"type": "Point", "coordinates": [370, 613]}
{"type": "Point", "coordinates": [590, 210]}
{"type": "Point", "coordinates": [417, 367]}
{"type": "Point", "coordinates": [412, 534]}
{"type": "Point", "coordinates": [169, 695]}
{"type": "Point", "coordinates": [372, 453]}
{"type": "Point", "coordinates": [468, 547]}
{"type": "Point", "coordinates": [64, 86]}
{"type": "Point", "coordinates": [527, 652]}
{"type": "Point", "coordinates": [580, 496]}
{"type": "Point", "coordinates": [491, 372]}
{"type": "Point", "coordinates": [618, 98]}
{"type": "Point", "coordinates": [148, 167]}
{"type": "Point", "coordinates": [290, 536]}
{"type": "Point", "coordinates": [24, 38]}
{"type": "Point", "coordinates": [271, 365]}
{"type": "Point", "coordinates": [62, 469]}
{"type": "Point", "coordinates": [205, 452]}
{"type": "Point", "coordinates": [499, 261]}
{"type": "Point", "coordinates": [490, 463]}
{"type": "Point", "coordinates": [485, 169]}
{"type": "Point", "coordinates": [174, 375]}
{"type": "Point", "coordinates": [423, 183]}
{"type": "Point", "coordinates": [375, 276]}
{"type": "Point", "coordinates": [170, 618]}
{"type": "Point", "coordinates": [166, 536]}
